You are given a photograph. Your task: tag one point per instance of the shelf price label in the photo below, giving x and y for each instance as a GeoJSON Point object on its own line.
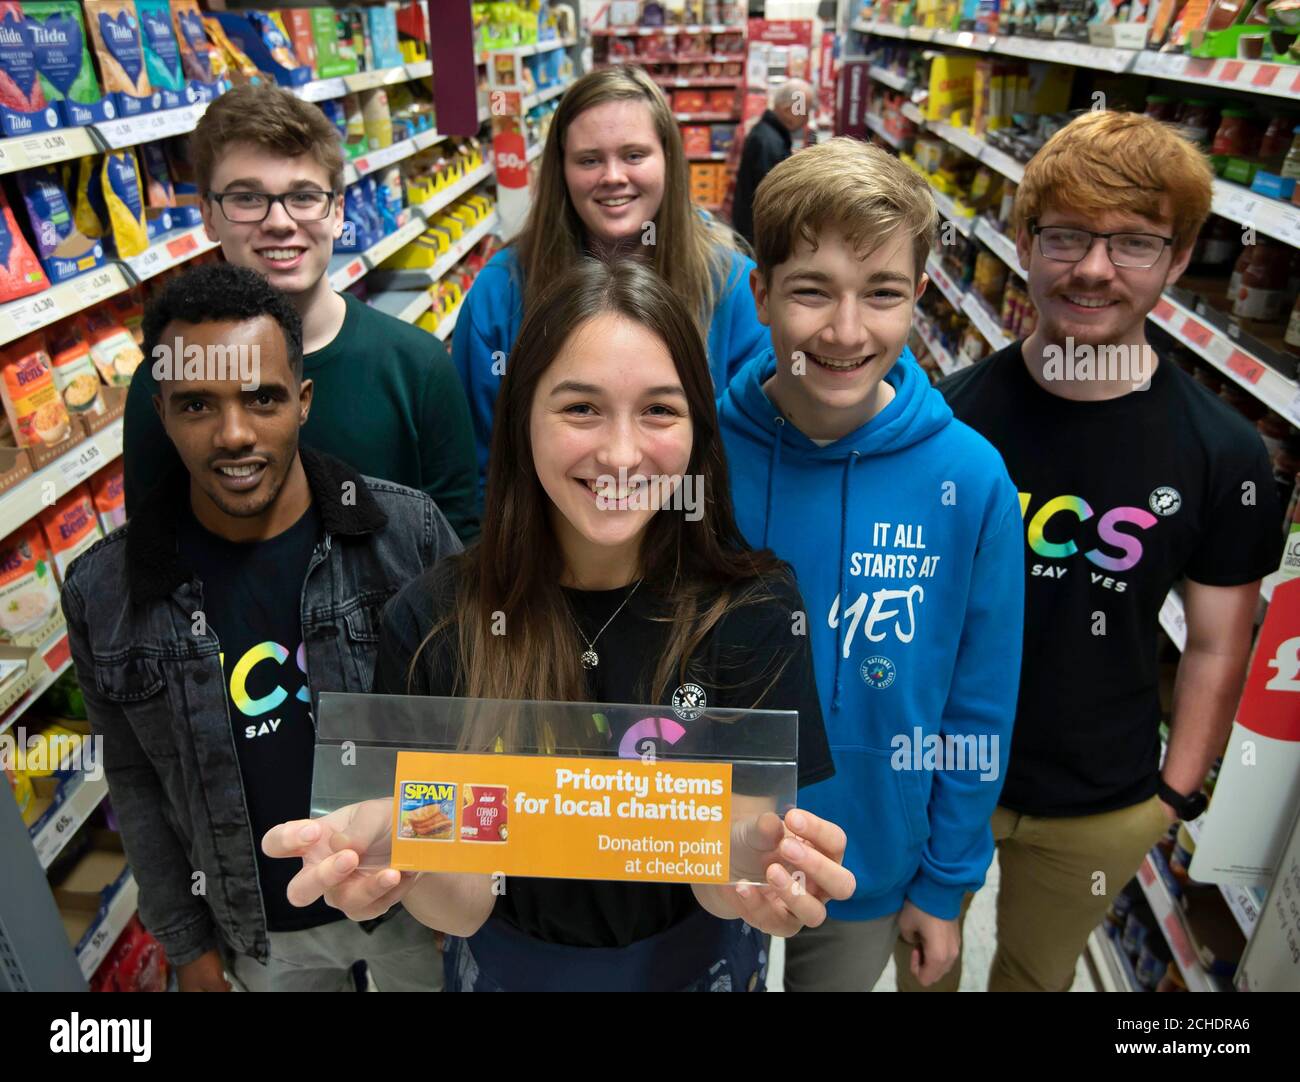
{"type": "Point", "coordinates": [1247, 368]}
{"type": "Point", "coordinates": [77, 465]}
{"type": "Point", "coordinates": [1264, 75]}
{"type": "Point", "coordinates": [1196, 333]}
{"type": "Point", "coordinates": [181, 247]}
{"type": "Point", "coordinates": [40, 149]}
{"type": "Point", "coordinates": [93, 287]}
{"type": "Point", "coordinates": [1163, 312]}
{"type": "Point", "coordinates": [40, 311]}
{"type": "Point", "coordinates": [1231, 71]}
{"type": "Point", "coordinates": [1178, 941]}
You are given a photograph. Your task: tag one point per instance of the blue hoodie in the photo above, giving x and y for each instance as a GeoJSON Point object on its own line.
{"type": "Point", "coordinates": [914, 519]}
{"type": "Point", "coordinates": [493, 310]}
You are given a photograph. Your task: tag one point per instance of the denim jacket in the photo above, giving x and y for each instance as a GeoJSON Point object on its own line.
{"type": "Point", "coordinates": [155, 690]}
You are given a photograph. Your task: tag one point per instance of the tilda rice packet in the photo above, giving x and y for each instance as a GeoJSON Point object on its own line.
{"type": "Point", "coordinates": [116, 33]}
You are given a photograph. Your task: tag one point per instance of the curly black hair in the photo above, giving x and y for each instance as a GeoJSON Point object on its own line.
{"type": "Point", "coordinates": [222, 291]}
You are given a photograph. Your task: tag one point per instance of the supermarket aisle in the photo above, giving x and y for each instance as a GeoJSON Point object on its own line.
{"type": "Point", "coordinates": [977, 957]}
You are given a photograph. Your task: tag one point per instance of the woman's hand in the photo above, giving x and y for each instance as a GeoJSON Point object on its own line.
{"type": "Point", "coordinates": [332, 850]}
{"type": "Point", "coordinates": [797, 866]}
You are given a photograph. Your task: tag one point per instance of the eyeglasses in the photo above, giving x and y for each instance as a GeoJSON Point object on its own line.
{"type": "Point", "coordinates": [1070, 245]}
{"type": "Point", "coordinates": [304, 205]}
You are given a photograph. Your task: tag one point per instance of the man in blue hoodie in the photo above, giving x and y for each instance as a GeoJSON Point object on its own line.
{"type": "Point", "coordinates": [904, 530]}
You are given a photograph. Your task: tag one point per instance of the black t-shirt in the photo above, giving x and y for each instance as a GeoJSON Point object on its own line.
{"type": "Point", "coordinates": [252, 597]}
{"type": "Point", "coordinates": [735, 667]}
{"type": "Point", "coordinates": [1120, 499]}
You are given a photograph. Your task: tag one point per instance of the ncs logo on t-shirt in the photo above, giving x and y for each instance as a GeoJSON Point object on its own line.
{"type": "Point", "coordinates": [253, 705]}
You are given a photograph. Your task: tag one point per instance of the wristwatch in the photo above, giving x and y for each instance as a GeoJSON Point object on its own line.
{"type": "Point", "coordinates": [1187, 807]}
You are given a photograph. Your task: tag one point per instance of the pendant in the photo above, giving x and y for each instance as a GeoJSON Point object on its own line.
{"type": "Point", "coordinates": [590, 659]}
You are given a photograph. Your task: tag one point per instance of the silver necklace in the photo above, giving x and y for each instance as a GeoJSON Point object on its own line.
{"type": "Point", "coordinates": [590, 659]}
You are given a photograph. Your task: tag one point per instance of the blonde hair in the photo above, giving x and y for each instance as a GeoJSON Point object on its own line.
{"type": "Point", "coordinates": [842, 184]}
{"type": "Point", "coordinates": [1105, 161]}
{"type": "Point", "coordinates": [688, 252]}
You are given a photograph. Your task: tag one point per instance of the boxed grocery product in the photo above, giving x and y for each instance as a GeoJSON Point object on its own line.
{"type": "Point", "coordinates": [63, 250]}
{"type": "Point", "coordinates": [32, 402]}
{"type": "Point", "coordinates": [721, 137]}
{"type": "Point", "coordinates": [63, 61]}
{"type": "Point", "coordinates": [71, 526]}
{"type": "Point", "coordinates": [135, 964]}
{"type": "Point", "coordinates": [265, 43]}
{"type": "Point", "coordinates": [94, 876]}
{"type": "Point", "coordinates": [229, 58]}
{"type": "Point", "coordinates": [382, 24]}
{"type": "Point", "coordinates": [330, 58]}
{"type": "Point", "coordinates": [689, 101]}
{"type": "Point", "coordinates": [108, 490]}
{"type": "Point", "coordinates": [29, 592]}
{"type": "Point", "coordinates": [116, 33]}
{"type": "Point", "coordinates": [952, 81]}
{"type": "Point", "coordinates": [23, 105]}
{"type": "Point", "coordinates": [162, 55]}
{"type": "Point", "coordinates": [695, 140]}
{"type": "Point", "coordinates": [74, 369]}
{"type": "Point", "coordinates": [722, 101]}
{"type": "Point", "coordinates": [297, 23]}
{"type": "Point", "coordinates": [376, 121]}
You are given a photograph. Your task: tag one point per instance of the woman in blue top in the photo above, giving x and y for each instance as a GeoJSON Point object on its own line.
{"type": "Point", "coordinates": [612, 182]}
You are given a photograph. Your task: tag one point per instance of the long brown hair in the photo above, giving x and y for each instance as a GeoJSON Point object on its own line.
{"type": "Point", "coordinates": [695, 572]}
{"type": "Point", "coordinates": [688, 249]}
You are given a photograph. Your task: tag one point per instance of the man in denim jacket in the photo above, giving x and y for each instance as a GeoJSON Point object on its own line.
{"type": "Point", "coordinates": [204, 631]}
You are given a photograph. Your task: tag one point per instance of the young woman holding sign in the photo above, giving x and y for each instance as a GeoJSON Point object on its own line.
{"type": "Point", "coordinates": [609, 595]}
{"type": "Point", "coordinates": [612, 181]}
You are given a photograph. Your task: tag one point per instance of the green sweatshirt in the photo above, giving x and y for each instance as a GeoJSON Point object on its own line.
{"type": "Point", "coordinates": [387, 402]}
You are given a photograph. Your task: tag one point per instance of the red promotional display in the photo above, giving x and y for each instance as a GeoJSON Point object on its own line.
{"type": "Point", "coordinates": [1270, 704]}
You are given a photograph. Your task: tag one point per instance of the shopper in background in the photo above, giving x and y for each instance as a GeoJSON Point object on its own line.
{"type": "Point", "coordinates": [1131, 476]}
{"type": "Point", "coordinates": [606, 409]}
{"type": "Point", "coordinates": [612, 182]}
{"type": "Point", "coordinates": [768, 144]}
{"type": "Point", "coordinates": [269, 170]}
{"type": "Point", "coordinates": [254, 575]}
{"type": "Point", "coordinates": [904, 531]}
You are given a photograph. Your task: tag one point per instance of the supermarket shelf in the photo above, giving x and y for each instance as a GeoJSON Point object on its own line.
{"type": "Point", "coordinates": [27, 151]}
{"type": "Point", "coordinates": [448, 323]}
{"type": "Point", "coordinates": [129, 130]}
{"type": "Point", "coordinates": [1112, 965]}
{"type": "Point", "coordinates": [705, 118]}
{"type": "Point", "coordinates": [381, 159]}
{"type": "Point", "coordinates": [529, 50]}
{"type": "Point", "coordinates": [875, 124]}
{"type": "Point", "coordinates": [1279, 220]}
{"type": "Point", "coordinates": [69, 816]}
{"type": "Point", "coordinates": [169, 250]}
{"type": "Point", "coordinates": [948, 364]}
{"type": "Point", "coordinates": [716, 156]}
{"type": "Point", "coordinates": [706, 58]}
{"type": "Point", "coordinates": [390, 244]}
{"type": "Point", "coordinates": [1247, 76]}
{"type": "Point", "coordinates": [913, 114]}
{"type": "Point", "coordinates": [1002, 246]}
{"type": "Point", "coordinates": [336, 87]}
{"type": "Point", "coordinates": [949, 211]}
{"type": "Point", "coordinates": [54, 647]}
{"type": "Point", "coordinates": [346, 269]}
{"type": "Point", "coordinates": [534, 152]}
{"type": "Point", "coordinates": [28, 314]}
{"type": "Point", "coordinates": [978, 149]}
{"type": "Point", "coordinates": [1244, 902]}
{"type": "Point", "coordinates": [97, 943]}
{"type": "Point", "coordinates": [1175, 931]}
{"type": "Point", "coordinates": [399, 280]}
{"type": "Point", "coordinates": [1207, 341]}
{"type": "Point", "coordinates": [24, 500]}
{"type": "Point", "coordinates": [546, 95]}
{"type": "Point", "coordinates": [643, 31]}
{"type": "Point", "coordinates": [704, 80]}
{"type": "Point", "coordinates": [1173, 618]}
{"type": "Point", "coordinates": [884, 75]}
{"type": "Point", "coordinates": [985, 321]}
{"type": "Point", "coordinates": [943, 280]}
{"type": "Point", "coordinates": [408, 305]}
{"type": "Point", "coordinates": [453, 192]}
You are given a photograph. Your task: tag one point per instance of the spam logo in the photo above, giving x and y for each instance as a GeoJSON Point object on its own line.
{"type": "Point", "coordinates": [428, 790]}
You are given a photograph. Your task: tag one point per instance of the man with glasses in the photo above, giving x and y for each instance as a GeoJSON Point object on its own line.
{"type": "Point", "coordinates": [387, 401]}
{"type": "Point", "coordinates": [1131, 477]}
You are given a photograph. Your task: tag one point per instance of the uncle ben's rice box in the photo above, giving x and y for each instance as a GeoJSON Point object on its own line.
{"type": "Point", "coordinates": [70, 527]}
{"type": "Point", "coordinates": [29, 594]}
